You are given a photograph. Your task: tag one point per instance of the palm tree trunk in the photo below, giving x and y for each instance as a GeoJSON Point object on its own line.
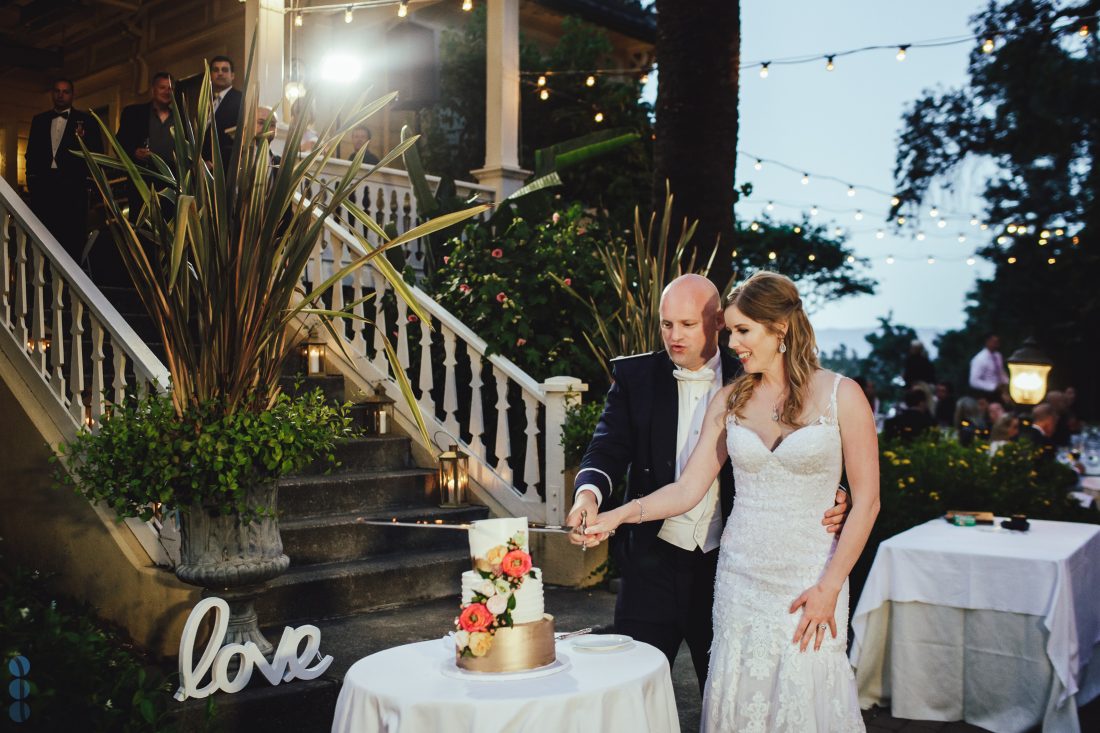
{"type": "Point", "coordinates": [698, 52]}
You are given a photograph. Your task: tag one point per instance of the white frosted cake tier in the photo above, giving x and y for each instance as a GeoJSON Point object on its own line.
{"type": "Point", "coordinates": [486, 534]}
{"type": "Point", "coordinates": [529, 601]}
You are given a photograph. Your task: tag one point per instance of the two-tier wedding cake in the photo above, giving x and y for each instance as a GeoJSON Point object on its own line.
{"type": "Point", "coordinates": [502, 626]}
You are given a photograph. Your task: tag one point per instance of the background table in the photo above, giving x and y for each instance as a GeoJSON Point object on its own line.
{"type": "Point", "coordinates": [404, 689]}
{"type": "Point", "coordinates": [985, 625]}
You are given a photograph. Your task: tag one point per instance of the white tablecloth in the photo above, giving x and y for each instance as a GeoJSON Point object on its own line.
{"type": "Point", "coordinates": [404, 689]}
{"type": "Point", "coordinates": [968, 595]}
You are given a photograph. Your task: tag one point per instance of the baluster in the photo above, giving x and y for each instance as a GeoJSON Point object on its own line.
{"type": "Point", "coordinates": [381, 329]}
{"type": "Point", "coordinates": [39, 315]}
{"type": "Point", "coordinates": [358, 343]}
{"type": "Point", "coordinates": [368, 234]}
{"type": "Point", "coordinates": [5, 271]}
{"type": "Point", "coordinates": [76, 366]}
{"type": "Point", "coordinates": [98, 407]}
{"type": "Point", "coordinates": [337, 246]}
{"type": "Point", "coordinates": [57, 343]}
{"type": "Point", "coordinates": [426, 382]}
{"type": "Point", "coordinates": [503, 448]}
{"type": "Point", "coordinates": [119, 360]}
{"type": "Point", "coordinates": [380, 207]}
{"type": "Point", "coordinates": [21, 331]}
{"type": "Point", "coordinates": [392, 217]}
{"type": "Point", "coordinates": [450, 387]}
{"type": "Point", "coordinates": [407, 210]}
{"type": "Point", "coordinates": [531, 459]}
{"type": "Point", "coordinates": [477, 420]}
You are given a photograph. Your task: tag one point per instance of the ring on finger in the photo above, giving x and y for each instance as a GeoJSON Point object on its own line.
{"type": "Point", "coordinates": [823, 626]}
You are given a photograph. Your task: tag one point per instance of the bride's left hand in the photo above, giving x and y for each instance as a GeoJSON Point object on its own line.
{"type": "Point", "coordinates": [818, 606]}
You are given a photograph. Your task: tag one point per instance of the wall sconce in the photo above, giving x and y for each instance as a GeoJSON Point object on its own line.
{"type": "Point", "coordinates": [378, 416]}
{"type": "Point", "coordinates": [454, 477]}
{"type": "Point", "coordinates": [1028, 368]}
{"type": "Point", "coordinates": [313, 352]}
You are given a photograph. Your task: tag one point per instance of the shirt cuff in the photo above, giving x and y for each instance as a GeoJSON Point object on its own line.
{"type": "Point", "coordinates": [593, 489]}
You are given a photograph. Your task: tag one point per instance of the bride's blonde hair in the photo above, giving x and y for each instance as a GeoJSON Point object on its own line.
{"type": "Point", "coordinates": [772, 299]}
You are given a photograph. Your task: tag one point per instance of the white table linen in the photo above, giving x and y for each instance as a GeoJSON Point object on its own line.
{"type": "Point", "coordinates": [403, 690]}
{"type": "Point", "coordinates": [941, 597]}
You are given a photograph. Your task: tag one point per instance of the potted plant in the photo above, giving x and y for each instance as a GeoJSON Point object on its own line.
{"type": "Point", "coordinates": [216, 251]}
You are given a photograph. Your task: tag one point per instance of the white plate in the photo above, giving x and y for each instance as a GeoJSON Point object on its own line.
{"type": "Point", "coordinates": [602, 642]}
{"type": "Point", "coordinates": [450, 669]}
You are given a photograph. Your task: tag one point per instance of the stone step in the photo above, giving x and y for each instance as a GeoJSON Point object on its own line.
{"type": "Point", "coordinates": [296, 382]}
{"type": "Point", "coordinates": [306, 593]}
{"type": "Point", "coordinates": [335, 539]}
{"type": "Point", "coordinates": [357, 492]}
{"type": "Point", "coordinates": [370, 452]}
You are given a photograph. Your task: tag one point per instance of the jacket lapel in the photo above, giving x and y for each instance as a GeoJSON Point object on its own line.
{"type": "Point", "coordinates": [664, 421]}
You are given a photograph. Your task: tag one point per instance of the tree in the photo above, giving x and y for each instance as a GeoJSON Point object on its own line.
{"type": "Point", "coordinates": [884, 364]}
{"type": "Point", "coordinates": [698, 49]}
{"type": "Point", "coordinates": [1027, 109]}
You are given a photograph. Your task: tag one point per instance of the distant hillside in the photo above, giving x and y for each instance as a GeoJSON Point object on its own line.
{"type": "Point", "coordinates": [830, 339]}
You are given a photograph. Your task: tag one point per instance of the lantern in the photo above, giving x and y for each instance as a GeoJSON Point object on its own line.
{"type": "Point", "coordinates": [454, 476]}
{"type": "Point", "coordinates": [378, 415]}
{"type": "Point", "coordinates": [313, 353]}
{"type": "Point", "coordinates": [1028, 368]}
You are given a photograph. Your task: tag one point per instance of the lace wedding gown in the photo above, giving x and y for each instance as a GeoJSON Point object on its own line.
{"type": "Point", "coordinates": [773, 548]}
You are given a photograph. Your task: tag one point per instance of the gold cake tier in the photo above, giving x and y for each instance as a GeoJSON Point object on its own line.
{"type": "Point", "coordinates": [516, 648]}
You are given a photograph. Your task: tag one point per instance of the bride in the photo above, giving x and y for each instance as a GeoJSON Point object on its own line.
{"type": "Point", "coordinates": [778, 660]}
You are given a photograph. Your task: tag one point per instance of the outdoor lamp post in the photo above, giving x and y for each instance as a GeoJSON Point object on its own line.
{"type": "Point", "coordinates": [454, 476]}
{"type": "Point", "coordinates": [1028, 368]}
{"type": "Point", "coordinates": [313, 352]}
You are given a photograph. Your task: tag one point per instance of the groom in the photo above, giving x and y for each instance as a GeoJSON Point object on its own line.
{"type": "Point", "coordinates": [650, 424]}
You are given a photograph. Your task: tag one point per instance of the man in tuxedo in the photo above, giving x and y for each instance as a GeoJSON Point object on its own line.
{"type": "Point", "coordinates": [650, 423]}
{"type": "Point", "coordinates": [145, 129]}
{"type": "Point", "coordinates": [227, 104]}
{"type": "Point", "coordinates": [56, 177]}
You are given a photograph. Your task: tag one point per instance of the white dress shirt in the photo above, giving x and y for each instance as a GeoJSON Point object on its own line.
{"type": "Point", "coordinates": [57, 131]}
{"type": "Point", "coordinates": [987, 370]}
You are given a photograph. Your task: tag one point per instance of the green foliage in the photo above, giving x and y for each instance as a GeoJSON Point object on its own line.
{"type": "Point", "coordinates": [1025, 111]}
{"type": "Point", "coordinates": [884, 364]}
{"type": "Point", "coordinates": [83, 676]}
{"type": "Point", "coordinates": [505, 286]}
{"type": "Point", "coordinates": [580, 423]}
{"type": "Point", "coordinates": [454, 129]}
{"type": "Point", "coordinates": [146, 454]}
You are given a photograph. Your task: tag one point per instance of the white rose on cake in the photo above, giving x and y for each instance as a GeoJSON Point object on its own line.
{"type": "Point", "coordinates": [497, 604]}
{"type": "Point", "coordinates": [486, 588]}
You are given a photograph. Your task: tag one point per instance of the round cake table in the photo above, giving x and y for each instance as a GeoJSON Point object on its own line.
{"type": "Point", "coordinates": [416, 688]}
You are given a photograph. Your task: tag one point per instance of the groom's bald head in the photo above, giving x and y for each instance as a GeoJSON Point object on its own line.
{"type": "Point", "coordinates": [691, 318]}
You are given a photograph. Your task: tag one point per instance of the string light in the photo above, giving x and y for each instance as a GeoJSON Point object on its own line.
{"type": "Point", "coordinates": [1059, 232]}
{"type": "Point", "coordinates": [544, 94]}
{"type": "Point", "coordinates": [541, 81]}
{"type": "Point", "coordinates": [467, 5]}
{"type": "Point", "coordinates": [901, 220]}
{"type": "Point", "coordinates": [851, 259]}
{"type": "Point", "coordinates": [644, 78]}
{"type": "Point", "coordinates": [590, 81]}
{"type": "Point", "coordinates": [931, 260]}
{"type": "Point", "coordinates": [851, 191]}
{"type": "Point", "coordinates": [805, 179]}
{"type": "Point", "coordinates": [798, 230]}
{"type": "Point", "coordinates": [298, 20]}
{"type": "Point", "coordinates": [758, 164]}
{"type": "Point", "coordinates": [403, 9]}
{"type": "Point", "coordinates": [934, 212]}
{"type": "Point", "coordinates": [973, 221]}
{"type": "Point", "coordinates": [829, 65]}
{"type": "Point", "coordinates": [962, 237]}
{"type": "Point", "coordinates": [771, 255]}
{"type": "Point", "coordinates": [764, 70]}
{"type": "Point", "coordinates": [1011, 228]}
{"type": "Point", "coordinates": [983, 226]}
{"type": "Point", "coordinates": [1012, 260]}
{"type": "Point", "coordinates": [1002, 239]}
{"type": "Point", "coordinates": [1045, 234]}
{"type": "Point", "coordinates": [770, 206]}
{"type": "Point", "coordinates": [754, 226]}
{"type": "Point", "coordinates": [890, 259]}
{"type": "Point", "coordinates": [598, 117]}
{"type": "Point", "coordinates": [859, 215]}
{"type": "Point", "coordinates": [1083, 31]}
{"type": "Point", "coordinates": [348, 15]}
{"type": "Point", "coordinates": [970, 261]}
{"type": "Point", "coordinates": [838, 232]}
{"type": "Point", "coordinates": [1042, 242]}
{"type": "Point", "coordinates": [880, 234]}
{"type": "Point", "coordinates": [901, 52]}
{"type": "Point", "coordinates": [941, 223]}
{"type": "Point", "coordinates": [813, 210]}
{"type": "Point", "coordinates": [920, 236]}
{"type": "Point", "coordinates": [1050, 260]}
{"type": "Point", "coordinates": [894, 201]}
{"type": "Point", "coordinates": [988, 45]}
{"type": "Point", "coordinates": [812, 257]}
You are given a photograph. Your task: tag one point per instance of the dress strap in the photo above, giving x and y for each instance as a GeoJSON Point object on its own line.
{"type": "Point", "coordinates": [832, 400]}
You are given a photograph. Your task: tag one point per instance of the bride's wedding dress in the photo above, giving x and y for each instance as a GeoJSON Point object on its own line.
{"type": "Point", "coordinates": [773, 548]}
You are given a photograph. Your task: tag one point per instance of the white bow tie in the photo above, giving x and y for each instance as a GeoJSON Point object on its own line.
{"type": "Point", "coordinates": [706, 374]}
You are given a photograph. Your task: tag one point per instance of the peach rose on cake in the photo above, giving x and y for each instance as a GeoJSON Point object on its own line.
{"type": "Point", "coordinates": [475, 617]}
{"type": "Point", "coordinates": [516, 564]}
{"type": "Point", "coordinates": [480, 642]}
{"type": "Point", "coordinates": [496, 555]}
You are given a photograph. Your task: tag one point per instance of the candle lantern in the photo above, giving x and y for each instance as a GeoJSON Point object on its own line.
{"type": "Point", "coordinates": [1028, 368]}
{"type": "Point", "coordinates": [454, 477]}
{"type": "Point", "coordinates": [378, 415]}
{"type": "Point", "coordinates": [313, 353]}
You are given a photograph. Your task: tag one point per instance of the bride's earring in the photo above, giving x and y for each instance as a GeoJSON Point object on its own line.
{"type": "Point", "coordinates": [782, 346]}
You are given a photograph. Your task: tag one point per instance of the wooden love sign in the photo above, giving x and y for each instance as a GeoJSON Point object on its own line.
{"type": "Point", "coordinates": [287, 663]}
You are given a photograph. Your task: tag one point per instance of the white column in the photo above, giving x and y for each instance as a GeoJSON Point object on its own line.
{"type": "Point", "coordinates": [265, 18]}
{"type": "Point", "coordinates": [501, 169]}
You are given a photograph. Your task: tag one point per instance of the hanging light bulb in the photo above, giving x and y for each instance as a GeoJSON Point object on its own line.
{"type": "Point", "coordinates": [973, 221]}
{"type": "Point", "coordinates": [934, 212]}
{"type": "Point", "coordinates": [983, 227]}
{"type": "Point", "coordinates": [467, 5]}
{"type": "Point", "coordinates": [298, 20]}
{"type": "Point", "coordinates": [1076, 240]}
{"type": "Point", "coordinates": [805, 179]}
{"type": "Point", "coordinates": [941, 223]}
{"type": "Point", "coordinates": [598, 117]}
{"type": "Point", "coordinates": [758, 164]}
{"type": "Point", "coordinates": [838, 232]}
{"type": "Point", "coordinates": [403, 9]}
{"type": "Point", "coordinates": [931, 260]}
{"type": "Point", "coordinates": [590, 81]}
{"type": "Point", "coordinates": [798, 230]}
{"type": "Point", "coordinates": [1043, 242]}
{"type": "Point", "coordinates": [1045, 234]}
{"type": "Point", "coordinates": [901, 220]}
{"type": "Point", "coordinates": [880, 234]}
{"type": "Point", "coordinates": [988, 45]}
{"type": "Point", "coordinates": [901, 52]}
{"type": "Point", "coordinates": [812, 257]}
{"type": "Point", "coordinates": [920, 236]}
{"type": "Point", "coordinates": [829, 65]}
{"type": "Point", "coordinates": [770, 206]}
{"type": "Point", "coordinates": [1012, 260]}
{"type": "Point", "coordinates": [754, 226]}
{"type": "Point", "coordinates": [348, 15]}
{"type": "Point", "coordinates": [1011, 228]}
{"type": "Point", "coordinates": [1059, 232]}
{"type": "Point", "coordinates": [813, 210]}
{"type": "Point", "coordinates": [541, 80]}
{"type": "Point", "coordinates": [859, 215]}
{"type": "Point", "coordinates": [1050, 260]}
{"type": "Point", "coordinates": [645, 78]}
{"type": "Point", "coordinates": [851, 191]}
{"type": "Point", "coordinates": [894, 201]}
{"type": "Point", "coordinates": [1083, 31]}
{"type": "Point", "coordinates": [1002, 239]}
{"type": "Point", "coordinates": [962, 237]}
{"type": "Point", "coordinates": [764, 70]}
{"type": "Point", "coordinates": [851, 259]}
{"type": "Point", "coordinates": [890, 259]}
{"type": "Point", "coordinates": [970, 261]}
{"type": "Point", "coordinates": [544, 94]}
{"type": "Point", "coordinates": [771, 255]}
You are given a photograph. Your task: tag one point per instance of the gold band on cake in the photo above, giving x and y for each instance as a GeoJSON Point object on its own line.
{"type": "Point", "coordinates": [515, 648]}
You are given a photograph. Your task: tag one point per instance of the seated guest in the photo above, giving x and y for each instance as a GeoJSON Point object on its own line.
{"type": "Point", "coordinates": [1005, 430]}
{"type": "Point", "coordinates": [971, 418]}
{"type": "Point", "coordinates": [944, 412]}
{"type": "Point", "coordinates": [912, 420]}
{"type": "Point", "coordinates": [994, 413]}
{"type": "Point", "coordinates": [1039, 432]}
{"type": "Point", "coordinates": [1057, 400]}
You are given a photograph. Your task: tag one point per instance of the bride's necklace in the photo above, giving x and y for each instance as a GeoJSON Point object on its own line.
{"type": "Point", "coordinates": [775, 407]}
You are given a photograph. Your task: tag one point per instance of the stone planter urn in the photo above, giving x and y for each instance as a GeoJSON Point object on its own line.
{"type": "Point", "coordinates": [233, 560]}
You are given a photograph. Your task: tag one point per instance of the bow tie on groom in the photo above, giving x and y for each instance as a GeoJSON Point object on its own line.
{"type": "Point", "coordinates": [706, 374]}
{"type": "Point", "coordinates": [54, 115]}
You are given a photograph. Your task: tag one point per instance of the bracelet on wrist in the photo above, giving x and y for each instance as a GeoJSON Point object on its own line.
{"type": "Point", "coordinates": [641, 511]}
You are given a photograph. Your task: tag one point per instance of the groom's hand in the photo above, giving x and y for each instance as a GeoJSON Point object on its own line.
{"type": "Point", "coordinates": [834, 518]}
{"type": "Point", "coordinates": [584, 505]}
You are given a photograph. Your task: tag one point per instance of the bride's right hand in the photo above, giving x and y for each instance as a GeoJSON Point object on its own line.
{"type": "Point", "coordinates": [604, 525]}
